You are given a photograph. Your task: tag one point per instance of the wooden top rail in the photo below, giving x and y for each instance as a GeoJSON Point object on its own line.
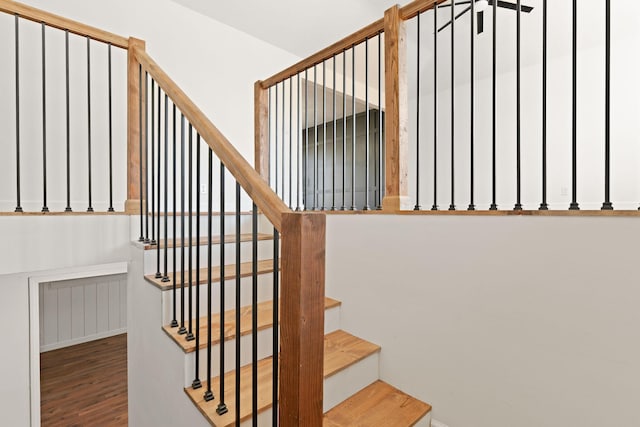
{"type": "Point", "coordinates": [326, 53]}
{"type": "Point", "coordinates": [412, 9]}
{"type": "Point", "coordinates": [247, 177]}
{"type": "Point", "coordinates": [55, 21]}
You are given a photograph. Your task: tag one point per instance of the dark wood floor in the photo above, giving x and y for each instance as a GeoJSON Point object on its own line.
{"type": "Point", "coordinates": [85, 385]}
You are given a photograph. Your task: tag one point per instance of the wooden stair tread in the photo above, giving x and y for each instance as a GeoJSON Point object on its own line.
{"type": "Point", "coordinates": [204, 240]}
{"type": "Point", "coordinates": [264, 266]}
{"type": "Point", "coordinates": [333, 344]}
{"type": "Point", "coordinates": [265, 320]}
{"type": "Point", "coordinates": [378, 404]}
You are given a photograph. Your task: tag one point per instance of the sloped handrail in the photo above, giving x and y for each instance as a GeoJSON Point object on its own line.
{"type": "Point", "coordinates": [257, 189]}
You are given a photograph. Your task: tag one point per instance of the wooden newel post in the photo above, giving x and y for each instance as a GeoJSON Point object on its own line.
{"type": "Point", "coordinates": [396, 135]}
{"type": "Point", "coordinates": [135, 132]}
{"type": "Point", "coordinates": [261, 123]}
{"type": "Point", "coordinates": [302, 319]}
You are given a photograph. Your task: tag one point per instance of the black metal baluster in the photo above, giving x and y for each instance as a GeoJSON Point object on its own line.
{"type": "Point", "coordinates": [452, 206]}
{"type": "Point", "coordinates": [380, 125]}
{"type": "Point", "coordinates": [574, 138]}
{"type": "Point", "coordinates": [238, 305]}
{"type": "Point", "coordinates": [146, 157]}
{"type": "Point", "coordinates": [44, 123]}
{"type": "Point", "coordinates": [544, 206]}
{"type": "Point", "coordinates": [196, 382]}
{"type": "Point", "coordinates": [472, 206]}
{"type": "Point", "coordinates": [299, 147]}
{"type": "Point", "coordinates": [269, 131]}
{"type": "Point", "coordinates": [324, 132]}
{"type": "Point", "coordinates": [110, 209]}
{"type": "Point", "coordinates": [17, 52]}
{"type": "Point", "coordinates": [183, 329]}
{"type": "Point", "coordinates": [165, 276]}
{"type": "Point", "coordinates": [174, 190]}
{"type": "Point", "coordinates": [305, 164]}
{"type": "Point", "coordinates": [290, 142]}
{"type": "Point", "coordinates": [276, 141]}
{"type": "Point", "coordinates": [153, 167]}
{"type": "Point", "coordinates": [607, 205]}
{"type": "Point", "coordinates": [276, 328]}
{"type": "Point", "coordinates": [68, 128]}
{"type": "Point", "coordinates": [518, 206]}
{"type": "Point", "coordinates": [333, 179]}
{"type": "Point", "coordinates": [283, 138]}
{"type": "Point", "coordinates": [434, 207]}
{"type": "Point", "coordinates": [90, 208]}
{"type": "Point", "coordinates": [208, 394]}
{"type": "Point", "coordinates": [190, 336]}
{"type": "Point", "coordinates": [417, 206]}
{"type": "Point", "coordinates": [494, 205]}
{"type": "Point", "coordinates": [141, 238]}
{"type": "Point", "coordinates": [222, 407]}
{"type": "Point", "coordinates": [344, 129]}
{"type": "Point", "coordinates": [254, 313]}
{"type": "Point", "coordinates": [159, 161]}
{"type": "Point", "coordinates": [315, 138]}
{"type": "Point", "coordinates": [367, 123]}
{"type": "Point", "coordinates": [353, 133]}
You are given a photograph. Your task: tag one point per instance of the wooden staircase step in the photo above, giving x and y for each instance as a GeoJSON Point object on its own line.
{"type": "Point", "coordinates": [379, 404]}
{"type": "Point", "coordinates": [340, 351]}
{"type": "Point", "coordinates": [265, 320]}
{"type": "Point", "coordinates": [204, 240]}
{"type": "Point", "coordinates": [264, 266]}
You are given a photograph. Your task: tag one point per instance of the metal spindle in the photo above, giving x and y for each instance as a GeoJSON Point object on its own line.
{"type": "Point", "coordinates": [276, 318]}
{"type": "Point", "coordinates": [208, 394]}
{"type": "Point", "coordinates": [367, 124]}
{"type": "Point", "coordinates": [110, 209]}
{"type": "Point", "coordinates": [146, 157]}
{"type": "Point", "coordinates": [494, 205]}
{"type": "Point", "coordinates": [17, 52]}
{"type": "Point", "coordinates": [222, 407]}
{"type": "Point", "coordinates": [574, 134]}
{"type": "Point", "coordinates": [299, 148]}
{"type": "Point", "coordinates": [174, 188]}
{"type": "Point", "coordinates": [417, 206]}
{"type": "Point", "coordinates": [344, 128]}
{"type": "Point", "coordinates": [607, 205]}
{"type": "Point", "coordinates": [353, 130]}
{"type": "Point", "coordinates": [90, 208]}
{"type": "Point", "coordinates": [165, 276]}
{"type": "Point", "coordinates": [283, 139]}
{"type": "Point", "coordinates": [380, 123]}
{"type": "Point", "coordinates": [44, 123]}
{"type": "Point", "coordinates": [333, 178]}
{"type": "Point", "coordinates": [196, 382]}
{"type": "Point", "coordinates": [290, 141]}
{"type": "Point", "coordinates": [452, 206]}
{"type": "Point", "coordinates": [472, 206]}
{"type": "Point", "coordinates": [190, 336]}
{"type": "Point", "coordinates": [183, 329]}
{"type": "Point", "coordinates": [68, 127]}
{"type": "Point", "coordinates": [434, 207]}
{"type": "Point", "coordinates": [305, 164]}
{"type": "Point", "coordinates": [238, 305]}
{"type": "Point", "coordinates": [159, 177]}
{"type": "Point", "coordinates": [254, 314]}
{"type": "Point", "coordinates": [153, 167]}
{"type": "Point", "coordinates": [315, 137]}
{"type": "Point", "coordinates": [142, 155]}
{"type": "Point", "coordinates": [543, 205]}
{"type": "Point", "coordinates": [324, 131]}
{"type": "Point", "coordinates": [518, 206]}
{"type": "Point", "coordinates": [276, 141]}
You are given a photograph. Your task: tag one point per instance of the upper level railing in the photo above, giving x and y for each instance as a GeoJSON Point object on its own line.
{"type": "Point", "coordinates": [483, 106]}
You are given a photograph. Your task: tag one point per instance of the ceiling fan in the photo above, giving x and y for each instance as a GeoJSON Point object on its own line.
{"type": "Point", "coordinates": [480, 6]}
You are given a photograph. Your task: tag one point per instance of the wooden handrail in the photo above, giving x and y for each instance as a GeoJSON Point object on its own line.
{"type": "Point", "coordinates": [55, 21]}
{"type": "Point", "coordinates": [326, 53]}
{"type": "Point", "coordinates": [418, 6]}
{"type": "Point", "coordinates": [259, 191]}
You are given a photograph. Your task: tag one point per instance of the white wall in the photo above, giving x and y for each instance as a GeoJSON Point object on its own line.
{"type": "Point", "coordinates": [496, 321]}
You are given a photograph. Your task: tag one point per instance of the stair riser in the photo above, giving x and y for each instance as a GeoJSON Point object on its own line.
{"type": "Point", "coordinates": [345, 383]}
{"type": "Point", "coordinates": [265, 293]}
{"type": "Point", "coordinates": [265, 337]}
{"type": "Point", "coordinates": [265, 251]}
{"type": "Point", "coordinates": [229, 226]}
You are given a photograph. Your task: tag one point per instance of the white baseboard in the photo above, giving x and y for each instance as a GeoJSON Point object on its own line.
{"type": "Point", "coordinates": [82, 340]}
{"type": "Point", "coordinates": [436, 423]}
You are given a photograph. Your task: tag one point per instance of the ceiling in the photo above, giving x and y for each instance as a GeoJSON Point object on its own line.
{"type": "Point", "coordinates": [300, 27]}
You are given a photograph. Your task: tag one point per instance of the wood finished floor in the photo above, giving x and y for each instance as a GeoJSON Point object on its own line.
{"type": "Point", "coordinates": [86, 384]}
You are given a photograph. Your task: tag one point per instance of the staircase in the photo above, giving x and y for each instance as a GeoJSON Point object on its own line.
{"type": "Point", "coordinates": [354, 395]}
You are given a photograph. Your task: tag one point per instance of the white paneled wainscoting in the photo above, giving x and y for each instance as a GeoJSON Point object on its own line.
{"type": "Point", "coordinates": [80, 310]}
